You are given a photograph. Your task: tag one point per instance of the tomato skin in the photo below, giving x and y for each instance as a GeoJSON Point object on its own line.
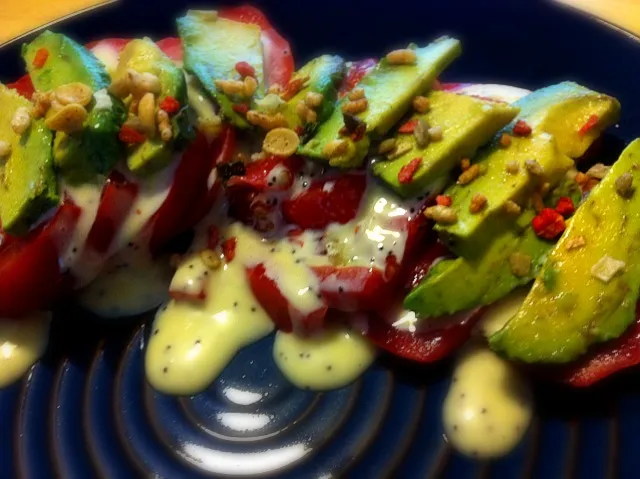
{"type": "Point", "coordinates": [30, 274]}
{"type": "Point", "coordinates": [258, 174]}
{"type": "Point", "coordinates": [117, 44]}
{"type": "Point", "coordinates": [172, 47]}
{"type": "Point", "coordinates": [422, 347]}
{"type": "Point", "coordinates": [284, 316]}
{"type": "Point", "coordinates": [318, 206]}
{"type": "Point", "coordinates": [24, 86]}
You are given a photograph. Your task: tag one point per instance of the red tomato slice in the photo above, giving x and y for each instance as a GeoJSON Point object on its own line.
{"type": "Point", "coordinates": [325, 201]}
{"type": "Point", "coordinates": [419, 268]}
{"type": "Point", "coordinates": [273, 173]}
{"type": "Point", "coordinates": [422, 347]}
{"type": "Point", "coordinates": [116, 44]}
{"type": "Point", "coordinates": [278, 59]}
{"type": "Point", "coordinates": [117, 198]}
{"type": "Point", "coordinates": [23, 86]}
{"type": "Point", "coordinates": [30, 275]}
{"type": "Point", "coordinates": [172, 47]}
{"type": "Point", "coordinates": [355, 73]}
{"type": "Point", "coordinates": [284, 316]}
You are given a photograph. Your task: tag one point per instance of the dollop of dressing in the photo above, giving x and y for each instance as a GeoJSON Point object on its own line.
{"type": "Point", "coordinates": [330, 359]}
{"type": "Point", "coordinates": [22, 342]}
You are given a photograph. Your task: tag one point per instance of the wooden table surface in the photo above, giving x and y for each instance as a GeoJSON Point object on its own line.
{"type": "Point", "coordinates": [21, 16]}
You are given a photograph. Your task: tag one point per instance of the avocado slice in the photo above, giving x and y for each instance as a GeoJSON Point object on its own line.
{"type": "Point", "coordinates": [144, 56]}
{"type": "Point", "coordinates": [454, 285]}
{"type": "Point", "coordinates": [325, 74]}
{"type": "Point", "coordinates": [588, 288]}
{"type": "Point", "coordinates": [553, 138]}
{"type": "Point", "coordinates": [213, 46]}
{"type": "Point", "coordinates": [467, 123]}
{"type": "Point", "coordinates": [96, 149]}
{"type": "Point", "coordinates": [28, 186]}
{"type": "Point", "coordinates": [389, 90]}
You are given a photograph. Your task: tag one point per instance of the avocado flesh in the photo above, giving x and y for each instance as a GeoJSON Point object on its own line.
{"type": "Point", "coordinates": [325, 74]}
{"type": "Point", "coordinates": [212, 47]}
{"type": "Point", "coordinates": [28, 186]}
{"type": "Point", "coordinates": [389, 90]}
{"type": "Point", "coordinates": [568, 309]}
{"type": "Point", "coordinates": [467, 123]}
{"type": "Point", "coordinates": [458, 284]}
{"type": "Point", "coordinates": [144, 56]}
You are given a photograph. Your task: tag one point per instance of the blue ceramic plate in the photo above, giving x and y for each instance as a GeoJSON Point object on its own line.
{"type": "Point", "coordinates": [86, 411]}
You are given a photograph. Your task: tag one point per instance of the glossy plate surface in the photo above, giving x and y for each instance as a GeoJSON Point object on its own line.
{"type": "Point", "coordinates": [86, 411]}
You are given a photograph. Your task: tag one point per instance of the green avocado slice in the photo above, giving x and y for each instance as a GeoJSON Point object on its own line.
{"type": "Point", "coordinates": [589, 284]}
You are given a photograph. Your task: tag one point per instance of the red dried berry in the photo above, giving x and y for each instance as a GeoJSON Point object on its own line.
{"type": "Point", "coordinates": [444, 200]}
{"type": "Point", "coordinates": [41, 57]}
{"type": "Point", "coordinates": [565, 206]}
{"type": "Point", "coordinates": [589, 125]}
{"type": "Point", "coordinates": [240, 108]}
{"type": "Point", "coordinates": [521, 128]}
{"type": "Point", "coordinates": [229, 249]}
{"type": "Point", "coordinates": [408, 127]}
{"type": "Point", "coordinates": [245, 70]}
{"type": "Point", "coordinates": [292, 88]}
{"type": "Point", "coordinates": [170, 105]}
{"type": "Point", "coordinates": [408, 171]}
{"type": "Point", "coordinates": [549, 224]}
{"type": "Point", "coordinates": [130, 136]}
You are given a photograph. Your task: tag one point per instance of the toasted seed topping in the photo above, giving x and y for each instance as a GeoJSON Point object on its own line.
{"type": "Point", "coordinates": [512, 167]}
{"type": "Point", "coordinates": [68, 119]}
{"type": "Point", "coordinates": [401, 149]}
{"type": "Point", "coordinates": [141, 83]}
{"type": "Point", "coordinates": [512, 208]}
{"type": "Point", "coordinates": [387, 146]}
{"type": "Point", "coordinates": [465, 163]}
{"type": "Point", "coordinates": [166, 133]}
{"type": "Point", "coordinates": [421, 133]}
{"type": "Point", "coordinates": [478, 203]}
{"type": "Point", "coordinates": [441, 214]}
{"type": "Point", "coordinates": [5, 149]}
{"type": "Point", "coordinates": [335, 148]}
{"type": "Point", "coordinates": [533, 167]}
{"type": "Point", "coordinates": [520, 264]}
{"type": "Point", "coordinates": [357, 94]}
{"type": "Point", "coordinates": [147, 114]}
{"type": "Point", "coordinates": [21, 120]}
{"type": "Point", "coordinates": [162, 116]}
{"type": "Point", "coordinates": [606, 268]}
{"type": "Point", "coordinates": [267, 122]}
{"type": "Point", "coordinates": [575, 242]}
{"type": "Point", "coordinates": [303, 110]}
{"type": "Point", "coordinates": [121, 87]}
{"type": "Point", "coordinates": [421, 104]}
{"type": "Point", "coordinates": [624, 185]}
{"type": "Point", "coordinates": [281, 142]}
{"type": "Point", "coordinates": [313, 99]}
{"type": "Point", "coordinates": [74, 93]}
{"type": "Point", "coordinates": [231, 87]}
{"type": "Point", "coordinates": [249, 85]}
{"type": "Point", "coordinates": [405, 56]}
{"type": "Point", "coordinates": [469, 175]}
{"type": "Point", "coordinates": [353, 107]}
{"type": "Point", "coordinates": [210, 259]}
{"type": "Point", "coordinates": [505, 140]}
{"type": "Point", "coordinates": [598, 171]}
{"type": "Point", "coordinates": [258, 156]}
{"type": "Point", "coordinates": [435, 133]}
{"type": "Point", "coordinates": [275, 88]}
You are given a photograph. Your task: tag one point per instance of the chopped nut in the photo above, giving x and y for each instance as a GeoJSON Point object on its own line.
{"type": "Point", "coordinates": [162, 116]}
{"type": "Point", "coordinates": [302, 109]}
{"type": "Point", "coordinates": [624, 185]}
{"type": "Point", "coordinates": [121, 87]}
{"type": "Point", "coordinates": [405, 56]}
{"type": "Point", "coordinates": [267, 122]}
{"type": "Point", "coordinates": [435, 133]}
{"type": "Point", "coordinates": [401, 149]}
{"type": "Point", "coordinates": [74, 93]}
{"type": "Point", "coordinates": [281, 142]}
{"type": "Point", "coordinates": [258, 156]}
{"type": "Point", "coordinates": [536, 202]}
{"type": "Point", "coordinates": [231, 87]}
{"type": "Point", "coordinates": [250, 85]}
{"type": "Point", "coordinates": [598, 171]}
{"type": "Point", "coordinates": [312, 117]}
{"type": "Point", "coordinates": [68, 119]}
{"type": "Point", "coordinates": [313, 99]}
{"type": "Point", "coordinates": [210, 259]}
{"type": "Point", "coordinates": [441, 214]}
{"type": "Point", "coordinates": [335, 148]}
{"type": "Point", "coordinates": [606, 268]}
{"type": "Point", "coordinates": [520, 264]}
{"type": "Point", "coordinates": [469, 175]}
{"type": "Point", "coordinates": [387, 146]}
{"type": "Point", "coordinates": [421, 133]}
{"type": "Point", "coordinates": [581, 178]}
{"type": "Point", "coordinates": [42, 102]}
{"type": "Point", "coordinates": [147, 114]}
{"type": "Point", "coordinates": [534, 167]}
{"type": "Point", "coordinates": [544, 188]}
{"type": "Point", "coordinates": [141, 83]}
{"type": "Point", "coordinates": [357, 94]}
{"type": "Point", "coordinates": [465, 163]}
{"type": "Point", "coordinates": [354, 107]}
{"type": "Point", "coordinates": [21, 120]}
{"type": "Point", "coordinates": [5, 149]}
{"type": "Point", "coordinates": [420, 104]}
{"type": "Point", "coordinates": [576, 242]}
{"type": "Point", "coordinates": [478, 203]}
{"type": "Point", "coordinates": [166, 133]}
{"type": "Point", "coordinates": [275, 88]}
{"type": "Point", "coordinates": [505, 140]}
{"type": "Point", "coordinates": [512, 208]}
{"type": "Point", "coordinates": [571, 174]}
{"type": "Point", "coordinates": [512, 167]}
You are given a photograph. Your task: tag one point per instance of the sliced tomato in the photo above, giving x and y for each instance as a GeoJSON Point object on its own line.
{"type": "Point", "coordinates": [273, 173]}
{"type": "Point", "coordinates": [172, 47]}
{"type": "Point", "coordinates": [24, 86]}
{"type": "Point", "coordinates": [355, 73]}
{"type": "Point", "coordinates": [115, 44]}
{"type": "Point", "coordinates": [118, 195]}
{"type": "Point", "coordinates": [326, 201]}
{"type": "Point", "coordinates": [422, 347]}
{"type": "Point", "coordinates": [278, 59]}
{"type": "Point", "coordinates": [282, 313]}
{"type": "Point", "coordinates": [30, 274]}
{"type": "Point", "coordinates": [425, 259]}
{"type": "Point", "coordinates": [225, 145]}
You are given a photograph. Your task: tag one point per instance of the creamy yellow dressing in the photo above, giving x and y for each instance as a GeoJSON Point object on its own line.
{"type": "Point", "coordinates": [327, 360]}
{"type": "Point", "coordinates": [22, 342]}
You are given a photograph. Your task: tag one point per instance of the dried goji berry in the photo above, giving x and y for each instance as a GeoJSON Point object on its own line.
{"type": "Point", "coordinates": [565, 206]}
{"type": "Point", "coordinates": [293, 87]}
{"type": "Point", "coordinates": [130, 135]}
{"type": "Point", "coordinates": [41, 57]}
{"type": "Point", "coordinates": [444, 200]}
{"type": "Point", "coordinates": [229, 248]}
{"type": "Point", "coordinates": [245, 70]}
{"type": "Point", "coordinates": [170, 105]}
{"type": "Point", "coordinates": [240, 108]}
{"type": "Point", "coordinates": [549, 224]}
{"type": "Point", "coordinates": [408, 127]}
{"type": "Point", "coordinates": [407, 172]}
{"type": "Point", "coordinates": [589, 125]}
{"type": "Point", "coordinates": [521, 128]}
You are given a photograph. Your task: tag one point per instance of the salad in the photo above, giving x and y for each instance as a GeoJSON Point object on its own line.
{"type": "Point", "coordinates": [353, 207]}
